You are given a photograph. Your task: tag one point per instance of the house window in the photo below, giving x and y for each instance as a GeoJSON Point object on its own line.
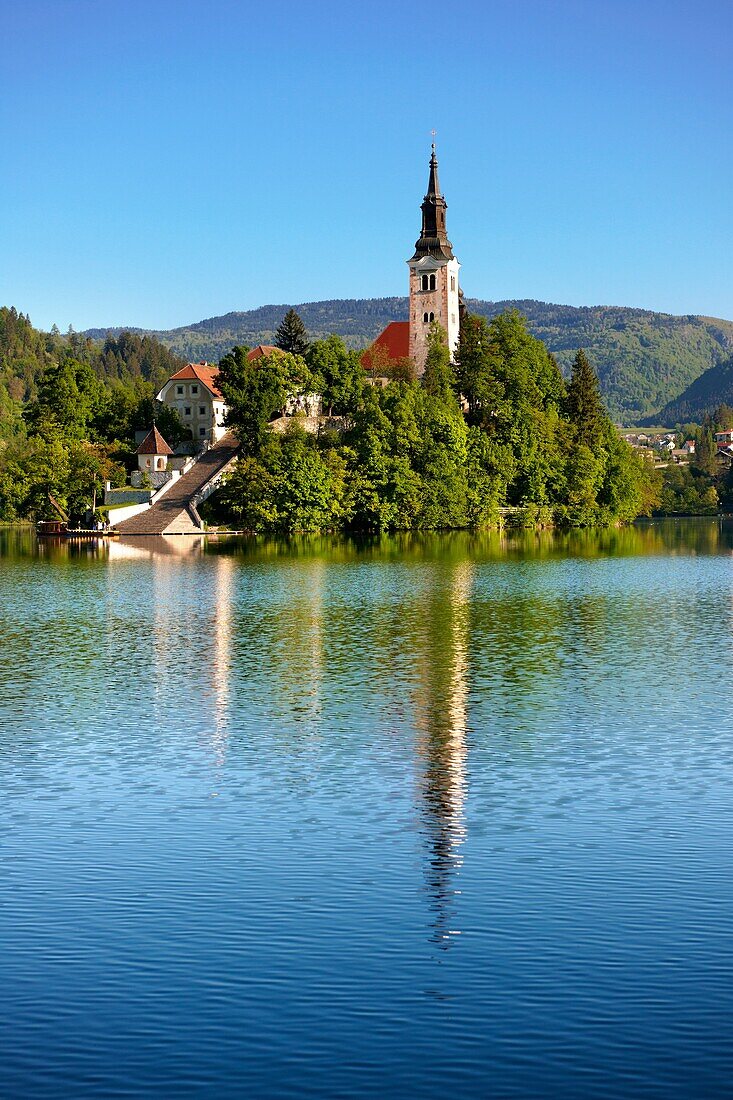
{"type": "Point", "coordinates": [202, 410]}
{"type": "Point", "coordinates": [202, 431]}
{"type": "Point", "coordinates": [187, 410]}
{"type": "Point", "coordinates": [194, 389]}
{"type": "Point", "coordinates": [179, 391]}
{"type": "Point", "coordinates": [432, 282]}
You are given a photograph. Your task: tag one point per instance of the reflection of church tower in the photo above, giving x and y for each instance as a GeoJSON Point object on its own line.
{"type": "Point", "coordinates": [434, 294]}
{"type": "Point", "coordinates": [442, 720]}
{"type": "Point", "coordinates": [224, 584]}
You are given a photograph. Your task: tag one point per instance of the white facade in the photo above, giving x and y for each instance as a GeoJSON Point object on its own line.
{"type": "Point", "coordinates": [199, 409]}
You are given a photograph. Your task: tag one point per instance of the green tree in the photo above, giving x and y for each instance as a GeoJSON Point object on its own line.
{"type": "Point", "coordinates": [705, 450]}
{"type": "Point", "coordinates": [438, 377]}
{"type": "Point", "coordinates": [475, 372]}
{"type": "Point", "coordinates": [254, 391]}
{"type": "Point", "coordinates": [290, 486]}
{"type": "Point", "coordinates": [69, 396]}
{"type": "Point", "coordinates": [337, 374]}
{"type": "Point", "coordinates": [584, 405]}
{"type": "Point", "coordinates": [291, 336]}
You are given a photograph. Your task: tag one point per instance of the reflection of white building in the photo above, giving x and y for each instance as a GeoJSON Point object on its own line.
{"type": "Point", "coordinates": [193, 393]}
{"type": "Point", "coordinates": [176, 565]}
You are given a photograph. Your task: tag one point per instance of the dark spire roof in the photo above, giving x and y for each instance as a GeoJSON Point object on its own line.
{"type": "Point", "coordinates": [433, 239]}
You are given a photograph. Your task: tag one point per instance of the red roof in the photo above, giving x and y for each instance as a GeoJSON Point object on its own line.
{"type": "Point", "coordinates": [395, 340]}
{"type": "Point", "coordinates": [154, 444]}
{"type": "Point", "coordinates": [261, 350]}
{"type": "Point", "coordinates": [202, 372]}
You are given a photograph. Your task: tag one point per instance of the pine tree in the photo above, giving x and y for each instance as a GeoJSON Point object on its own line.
{"type": "Point", "coordinates": [291, 336]}
{"type": "Point", "coordinates": [438, 378]}
{"type": "Point", "coordinates": [585, 408]}
{"type": "Point", "coordinates": [705, 449]}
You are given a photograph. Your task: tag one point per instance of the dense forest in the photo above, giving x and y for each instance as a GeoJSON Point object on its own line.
{"type": "Point", "coordinates": [407, 455]}
{"type": "Point", "coordinates": [69, 411]}
{"type": "Point", "coordinates": [643, 359]}
{"type": "Point", "coordinates": [702, 398]}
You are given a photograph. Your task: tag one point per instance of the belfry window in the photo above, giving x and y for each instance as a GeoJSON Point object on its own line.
{"type": "Point", "coordinates": [432, 282]}
{"type": "Point", "coordinates": [425, 283]}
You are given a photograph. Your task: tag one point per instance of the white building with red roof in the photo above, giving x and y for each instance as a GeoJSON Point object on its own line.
{"type": "Point", "coordinates": [153, 452]}
{"type": "Point", "coordinates": [193, 393]}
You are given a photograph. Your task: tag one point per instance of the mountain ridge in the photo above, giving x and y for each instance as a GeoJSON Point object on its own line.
{"type": "Point", "coordinates": [644, 359]}
{"type": "Point", "coordinates": [710, 390]}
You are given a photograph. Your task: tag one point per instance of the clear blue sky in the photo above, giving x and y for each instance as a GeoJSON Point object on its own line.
{"type": "Point", "coordinates": [172, 160]}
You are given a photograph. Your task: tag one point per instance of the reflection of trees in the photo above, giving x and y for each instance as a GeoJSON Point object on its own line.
{"type": "Point", "coordinates": [441, 699]}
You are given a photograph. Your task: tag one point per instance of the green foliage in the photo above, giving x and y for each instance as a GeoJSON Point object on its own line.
{"type": "Point", "coordinates": [69, 411]}
{"type": "Point", "coordinates": [256, 390]}
{"type": "Point", "coordinates": [687, 491]}
{"type": "Point", "coordinates": [705, 450]}
{"type": "Point", "coordinates": [69, 397]}
{"type": "Point", "coordinates": [585, 410]}
{"type": "Point", "coordinates": [291, 485]}
{"type": "Point", "coordinates": [644, 359]}
{"type": "Point", "coordinates": [438, 377]}
{"type": "Point", "coordinates": [337, 374]}
{"type": "Point", "coordinates": [408, 458]}
{"type": "Point", "coordinates": [708, 391]}
{"type": "Point", "coordinates": [291, 336]}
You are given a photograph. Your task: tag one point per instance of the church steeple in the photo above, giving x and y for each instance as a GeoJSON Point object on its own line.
{"type": "Point", "coordinates": [433, 239]}
{"type": "Point", "coordinates": [434, 291]}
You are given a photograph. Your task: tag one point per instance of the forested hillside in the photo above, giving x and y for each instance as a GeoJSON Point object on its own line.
{"type": "Point", "coordinates": [707, 393]}
{"type": "Point", "coordinates": [643, 359]}
{"type": "Point", "coordinates": [69, 411]}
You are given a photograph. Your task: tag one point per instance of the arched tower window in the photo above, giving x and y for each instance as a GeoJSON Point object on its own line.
{"type": "Point", "coordinates": [425, 318]}
{"type": "Point", "coordinates": [431, 317]}
{"type": "Point", "coordinates": [432, 282]}
{"type": "Point", "coordinates": [425, 283]}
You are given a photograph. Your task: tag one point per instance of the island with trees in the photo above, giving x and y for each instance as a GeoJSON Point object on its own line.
{"type": "Point", "coordinates": [496, 436]}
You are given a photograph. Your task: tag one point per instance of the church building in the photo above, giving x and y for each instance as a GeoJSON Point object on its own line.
{"type": "Point", "coordinates": [434, 290]}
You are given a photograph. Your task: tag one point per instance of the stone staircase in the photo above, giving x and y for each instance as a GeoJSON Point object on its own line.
{"type": "Point", "coordinates": [175, 513]}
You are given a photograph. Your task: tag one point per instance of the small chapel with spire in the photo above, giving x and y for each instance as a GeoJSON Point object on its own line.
{"type": "Point", "coordinates": [434, 291]}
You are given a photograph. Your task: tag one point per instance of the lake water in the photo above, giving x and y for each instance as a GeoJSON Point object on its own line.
{"type": "Point", "coordinates": [426, 816]}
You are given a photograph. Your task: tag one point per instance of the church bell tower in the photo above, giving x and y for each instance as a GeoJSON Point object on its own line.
{"type": "Point", "coordinates": [434, 293]}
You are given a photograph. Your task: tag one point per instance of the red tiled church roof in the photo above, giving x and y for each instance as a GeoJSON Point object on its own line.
{"type": "Point", "coordinates": [396, 339]}
{"type": "Point", "coordinates": [261, 350]}
{"type": "Point", "coordinates": [202, 372]}
{"type": "Point", "coordinates": [154, 444]}
{"type": "Point", "coordinates": [393, 343]}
